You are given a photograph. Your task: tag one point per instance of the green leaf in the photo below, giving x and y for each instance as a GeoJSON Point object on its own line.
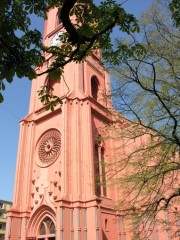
{"type": "Point", "coordinates": [2, 86]}
{"type": "Point", "coordinates": [52, 107]}
{"type": "Point", "coordinates": [1, 98]}
{"type": "Point", "coordinates": [55, 75]}
{"type": "Point", "coordinates": [32, 75]}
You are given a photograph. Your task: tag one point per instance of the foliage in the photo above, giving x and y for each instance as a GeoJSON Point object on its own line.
{"type": "Point", "coordinates": [21, 47]}
{"type": "Point", "coordinates": [174, 6]}
{"type": "Point", "coordinates": [146, 91]}
{"type": "Point", "coordinates": [47, 97]}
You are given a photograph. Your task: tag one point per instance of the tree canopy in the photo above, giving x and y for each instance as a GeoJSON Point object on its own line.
{"type": "Point", "coordinates": [146, 90]}
{"type": "Point", "coordinates": [21, 48]}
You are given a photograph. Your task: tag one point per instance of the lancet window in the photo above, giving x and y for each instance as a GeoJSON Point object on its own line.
{"type": "Point", "coordinates": [47, 230]}
{"type": "Point", "coordinates": [94, 87]}
{"type": "Point", "coordinates": [100, 173]}
{"type": "Point", "coordinates": [106, 225]}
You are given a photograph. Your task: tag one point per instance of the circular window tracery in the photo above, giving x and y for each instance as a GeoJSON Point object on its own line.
{"type": "Point", "coordinates": [49, 147]}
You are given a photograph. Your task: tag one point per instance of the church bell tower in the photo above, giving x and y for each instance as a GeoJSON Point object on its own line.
{"type": "Point", "coordinates": [60, 186]}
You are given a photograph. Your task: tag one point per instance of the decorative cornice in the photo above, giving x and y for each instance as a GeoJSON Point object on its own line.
{"type": "Point", "coordinates": [58, 28]}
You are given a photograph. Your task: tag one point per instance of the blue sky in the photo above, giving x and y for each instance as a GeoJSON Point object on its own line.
{"type": "Point", "coordinates": [15, 107]}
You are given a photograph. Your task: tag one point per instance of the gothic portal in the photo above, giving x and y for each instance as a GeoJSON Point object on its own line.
{"type": "Point", "coordinates": [60, 162]}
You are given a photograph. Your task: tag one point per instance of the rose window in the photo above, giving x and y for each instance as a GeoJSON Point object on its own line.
{"type": "Point", "coordinates": [49, 147]}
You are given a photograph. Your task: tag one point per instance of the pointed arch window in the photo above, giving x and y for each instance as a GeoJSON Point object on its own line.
{"type": "Point", "coordinates": [97, 172]}
{"type": "Point", "coordinates": [52, 228]}
{"type": "Point", "coordinates": [94, 87]}
{"type": "Point", "coordinates": [100, 173]}
{"type": "Point", "coordinates": [47, 229]}
{"type": "Point", "coordinates": [103, 172]}
{"type": "Point", "coordinates": [106, 225]}
{"type": "Point", "coordinates": [42, 230]}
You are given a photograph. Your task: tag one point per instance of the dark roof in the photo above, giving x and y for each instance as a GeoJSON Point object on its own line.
{"type": "Point", "coordinates": [5, 201]}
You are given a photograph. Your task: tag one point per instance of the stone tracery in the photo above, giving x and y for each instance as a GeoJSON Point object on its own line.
{"type": "Point", "coordinates": [49, 146]}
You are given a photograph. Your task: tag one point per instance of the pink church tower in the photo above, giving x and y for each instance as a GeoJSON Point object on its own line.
{"type": "Point", "coordinates": [60, 187]}
{"type": "Point", "coordinates": [60, 163]}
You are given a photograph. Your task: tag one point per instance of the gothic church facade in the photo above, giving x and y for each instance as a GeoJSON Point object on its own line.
{"type": "Point", "coordinates": [60, 162]}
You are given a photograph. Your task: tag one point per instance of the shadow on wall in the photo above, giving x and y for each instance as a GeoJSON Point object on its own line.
{"type": "Point", "coordinates": [104, 236]}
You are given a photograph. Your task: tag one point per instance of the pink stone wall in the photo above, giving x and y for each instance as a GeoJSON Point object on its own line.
{"type": "Point", "coordinates": [64, 190]}
{"type": "Point", "coordinates": [15, 229]}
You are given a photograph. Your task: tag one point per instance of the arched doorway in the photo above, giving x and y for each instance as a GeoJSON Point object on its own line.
{"type": "Point", "coordinates": [46, 230]}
